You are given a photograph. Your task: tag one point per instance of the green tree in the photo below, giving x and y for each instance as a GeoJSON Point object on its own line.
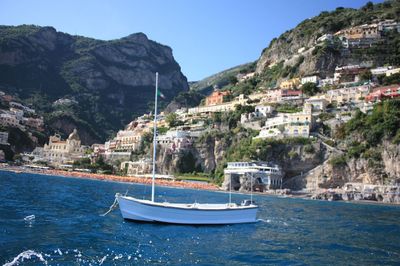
{"type": "Point", "coordinates": [310, 88]}
{"type": "Point", "coordinates": [233, 80]}
{"type": "Point", "coordinates": [366, 75]}
{"type": "Point", "coordinates": [172, 120]}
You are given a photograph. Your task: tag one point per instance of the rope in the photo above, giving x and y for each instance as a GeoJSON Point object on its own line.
{"type": "Point", "coordinates": [112, 207]}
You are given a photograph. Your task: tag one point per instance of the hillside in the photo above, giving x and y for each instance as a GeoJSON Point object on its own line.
{"type": "Point", "coordinates": [298, 52]}
{"type": "Point", "coordinates": [220, 79]}
{"type": "Point", "coordinates": [96, 86]}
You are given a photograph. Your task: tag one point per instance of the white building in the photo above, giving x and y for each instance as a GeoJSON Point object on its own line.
{"type": "Point", "coordinates": [175, 140]}
{"type": "Point", "coordinates": [265, 176]}
{"type": "Point", "coordinates": [287, 125]}
{"type": "Point", "coordinates": [128, 140]}
{"type": "Point", "coordinates": [380, 70]}
{"type": "Point", "coordinates": [348, 95]}
{"type": "Point", "coordinates": [326, 82]}
{"type": "Point", "coordinates": [7, 119]}
{"type": "Point", "coordinates": [310, 79]}
{"type": "Point", "coordinates": [326, 37]}
{"type": "Point", "coordinates": [263, 110]}
{"type": "Point", "coordinates": [392, 71]}
{"type": "Point", "coordinates": [318, 103]}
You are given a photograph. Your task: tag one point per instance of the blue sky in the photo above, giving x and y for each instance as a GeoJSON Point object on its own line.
{"type": "Point", "coordinates": [206, 36]}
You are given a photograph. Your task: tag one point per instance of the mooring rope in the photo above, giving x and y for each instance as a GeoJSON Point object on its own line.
{"type": "Point", "coordinates": [112, 207]}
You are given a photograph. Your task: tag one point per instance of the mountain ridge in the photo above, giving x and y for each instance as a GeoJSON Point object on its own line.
{"type": "Point", "coordinates": [112, 81]}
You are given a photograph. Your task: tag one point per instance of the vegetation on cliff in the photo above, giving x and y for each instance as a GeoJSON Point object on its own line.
{"type": "Point", "coordinates": [109, 82]}
{"type": "Point", "coordinates": [282, 59]}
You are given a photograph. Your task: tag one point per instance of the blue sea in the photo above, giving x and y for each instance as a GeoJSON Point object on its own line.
{"type": "Point", "coordinates": [50, 220]}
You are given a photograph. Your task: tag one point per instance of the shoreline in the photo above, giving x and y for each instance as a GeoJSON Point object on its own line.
{"type": "Point", "coordinates": [115, 178]}
{"type": "Point", "coordinates": [176, 184]}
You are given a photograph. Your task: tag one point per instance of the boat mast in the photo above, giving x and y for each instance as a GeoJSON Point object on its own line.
{"type": "Point", "coordinates": [251, 189]}
{"type": "Point", "coordinates": [154, 141]}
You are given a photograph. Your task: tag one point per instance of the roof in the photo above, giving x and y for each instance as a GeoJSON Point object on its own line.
{"type": "Point", "coordinates": [74, 135]}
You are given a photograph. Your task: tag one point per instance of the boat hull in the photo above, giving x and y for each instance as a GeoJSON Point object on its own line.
{"type": "Point", "coordinates": [147, 211]}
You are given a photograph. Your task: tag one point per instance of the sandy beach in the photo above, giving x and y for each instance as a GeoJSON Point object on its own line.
{"type": "Point", "coordinates": [127, 179]}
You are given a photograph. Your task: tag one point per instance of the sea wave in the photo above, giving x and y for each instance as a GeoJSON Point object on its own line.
{"type": "Point", "coordinates": [26, 255]}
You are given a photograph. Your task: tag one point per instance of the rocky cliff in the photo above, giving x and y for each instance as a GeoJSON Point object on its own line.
{"type": "Point", "coordinates": [106, 83]}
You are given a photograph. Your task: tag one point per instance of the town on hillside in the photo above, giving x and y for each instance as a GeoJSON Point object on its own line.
{"type": "Point", "coordinates": [308, 107]}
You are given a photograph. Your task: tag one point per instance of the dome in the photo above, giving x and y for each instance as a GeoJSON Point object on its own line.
{"type": "Point", "coordinates": [74, 135]}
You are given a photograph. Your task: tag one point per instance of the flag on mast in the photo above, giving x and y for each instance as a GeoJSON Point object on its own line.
{"type": "Point", "coordinates": [160, 94]}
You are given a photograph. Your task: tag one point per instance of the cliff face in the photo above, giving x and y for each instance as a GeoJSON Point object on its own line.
{"type": "Point", "coordinates": [110, 81]}
{"type": "Point", "coordinates": [359, 170]}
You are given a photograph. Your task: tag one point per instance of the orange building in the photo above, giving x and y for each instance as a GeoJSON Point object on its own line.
{"type": "Point", "coordinates": [217, 97]}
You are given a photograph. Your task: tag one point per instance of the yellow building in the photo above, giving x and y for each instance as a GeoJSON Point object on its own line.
{"type": "Point", "coordinates": [290, 84]}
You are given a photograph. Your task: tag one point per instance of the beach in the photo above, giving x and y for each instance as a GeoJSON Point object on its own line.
{"type": "Point", "coordinates": [117, 178]}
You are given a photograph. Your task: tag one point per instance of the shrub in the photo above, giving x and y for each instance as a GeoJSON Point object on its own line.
{"type": "Point", "coordinates": [309, 148]}
{"type": "Point", "coordinates": [338, 161]}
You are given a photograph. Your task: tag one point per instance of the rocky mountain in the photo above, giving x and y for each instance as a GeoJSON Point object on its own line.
{"type": "Point", "coordinates": [77, 82]}
{"type": "Point", "coordinates": [297, 52]}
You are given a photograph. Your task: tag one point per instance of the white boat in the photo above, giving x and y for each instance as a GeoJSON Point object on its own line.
{"type": "Point", "coordinates": [182, 213]}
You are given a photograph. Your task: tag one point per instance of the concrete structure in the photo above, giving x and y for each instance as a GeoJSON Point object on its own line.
{"type": "Point", "coordinates": [348, 95]}
{"type": "Point", "coordinates": [8, 119]}
{"type": "Point", "coordinates": [243, 77]}
{"type": "Point", "coordinates": [290, 84]}
{"type": "Point", "coordinates": [175, 140]}
{"type": "Point", "coordinates": [224, 107]}
{"type": "Point", "coordinates": [380, 70]}
{"type": "Point", "coordinates": [263, 110]}
{"type": "Point", "coordinates": [392, 71]}
{"type": "Point", "coordinates": [22, 107]}
{"type": "Point", "coordinates": [264, 175]}
{"type": "Point", "coordinates": [368, 31]}
{"type": "Point", "coordinates": [288, 125]}
{"type": "Point", "coordinates": [310, 79]}
{"type": "Point", "coordinates": [19, 114]}
{"type": "Point", "coordinates": [280, 95]}
{"type": "Point", "coordinates": [36, 123]}
{"type": "Point", "coordinates": [348, 73]}
{"type": "Point", "coordinates": [326, 37]}
{"type": "Point", "coordinates": [388, 24]}
{"type": "Point", "coordinates": [58, 151]}
{"type": "Point", "coordinates": [128, 140]}
{"type": "Point", "coordinates": [326, 82]}
{"type": "Point", "coordinates": [381, 93]}
{"type": "Point", "coordinates": [141, 167]}
{"type": "Point", "coordinates": [217, 97]}
{"type": "Point", "coordinates": [318, 103]}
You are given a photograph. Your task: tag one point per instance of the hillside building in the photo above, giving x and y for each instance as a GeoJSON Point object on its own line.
{"type": "Point", "coordinates": [348, 95]}
{"type": "Point", "coordinates": [59, 151]}
{"type": "Point", "coordinates": [318, 103]}
{"type": "Point", "coordinates": [141, 167]}
{"type": "Point", "coordinates": [262, 175]}
{"type": "Point", "coordinates": [217, 97]}
{"type": "Point", "coordinates": [290, 84]}
{"type": "Point", "coordinates": [310, 79]}
{"type": "Point", "coordinates": [9, 119]}
{"type": "Point", "coordinates": [288, 125]}
{"type": "Point", "coordinates": [381, 93]}
{"type": "Point", "coordinates": [175, 140]}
